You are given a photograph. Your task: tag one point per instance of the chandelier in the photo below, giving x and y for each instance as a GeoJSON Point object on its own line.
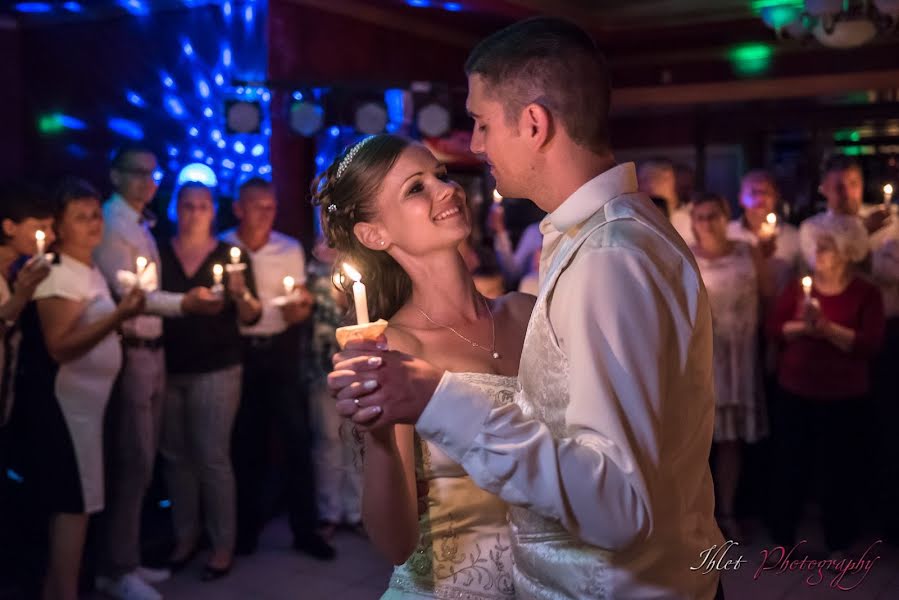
{"type": "Point", "coordinates": [834, 23]}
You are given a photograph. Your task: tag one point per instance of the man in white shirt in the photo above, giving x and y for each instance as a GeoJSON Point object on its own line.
{"type": "Point", "coordinates": [779, 243]}
{"type": "Point", "coordinates": [272, 392]}
{"type": "Point", "coordinates": [657, 177]}
{"type": "Point", "coordinates": [135, 409]}
{"type": "Point", "coordinates": [603, 457]}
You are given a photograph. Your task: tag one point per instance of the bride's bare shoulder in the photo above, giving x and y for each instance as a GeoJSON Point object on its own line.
{"type": "Point", "coordinates": [402, 339]}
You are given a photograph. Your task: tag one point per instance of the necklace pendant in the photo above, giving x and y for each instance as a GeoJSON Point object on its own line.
{"type": "Point", "coordinates": [496, 355]}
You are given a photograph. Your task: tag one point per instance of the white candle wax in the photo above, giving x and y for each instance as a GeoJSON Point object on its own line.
{"type": "Point", "coordinates": [359, 295]}
{"type": "Point", "coordinates": [887, 195]}
{"type": "Point", "coordinates": [289, 282]}
{"type": "Point", "coordinates": [807, 287]}
{"type": "Point", "coordinates": [235, 255]}
{"type": "Point", "coordinates": [40, 239]}
{"type": "Point", "coordinates": [217, 271]}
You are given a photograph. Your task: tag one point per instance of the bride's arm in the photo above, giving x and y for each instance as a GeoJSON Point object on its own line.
{"type": "Point", "coordinates": [389, 507]}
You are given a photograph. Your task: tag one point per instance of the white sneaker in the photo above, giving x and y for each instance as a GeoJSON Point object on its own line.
{"type": "Point", "coordinates": [151, 575]}
{"type": "Point", "coordinates": [127, 587]}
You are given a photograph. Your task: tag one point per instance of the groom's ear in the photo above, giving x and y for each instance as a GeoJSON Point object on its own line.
{"type": "Point", "coordinates": [371, 235]}
{"type": "Point", "coordinates": [537, 123]}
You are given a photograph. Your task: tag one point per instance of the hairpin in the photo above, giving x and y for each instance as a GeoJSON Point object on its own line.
{"type": "Point", "coordinates": [350, 155]}
{"type": "Point", "coordinates": [332, 208]}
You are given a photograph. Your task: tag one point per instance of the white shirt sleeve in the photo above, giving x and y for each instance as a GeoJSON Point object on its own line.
{"type": "Point", "coordinates": [598, 479]}
{"type": "Point", "coordinates": [61, 283]}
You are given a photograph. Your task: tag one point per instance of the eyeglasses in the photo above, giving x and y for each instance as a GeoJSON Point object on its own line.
{"type": "Point", "coordinates": [142, 173]}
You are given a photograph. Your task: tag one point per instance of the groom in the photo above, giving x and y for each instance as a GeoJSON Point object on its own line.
{"type": "Point", "coordinates": [603, 457]}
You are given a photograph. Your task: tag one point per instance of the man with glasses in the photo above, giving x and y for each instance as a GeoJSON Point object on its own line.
{"type": "Point", "coordinates": [136, 407]}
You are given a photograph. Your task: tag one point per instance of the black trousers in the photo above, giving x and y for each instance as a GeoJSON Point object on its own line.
{"type": "Point", "coordinates": [273, 404]}
{"type": "Point", "coordinates": [822, 438]}
{"type": "Point", "coordinates": [884, 490]}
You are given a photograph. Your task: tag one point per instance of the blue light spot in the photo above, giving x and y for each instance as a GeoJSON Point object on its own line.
{"type": "Point", "coordinates": [226, 9]}
{"type": "Point", "coordinates": [135, 99]}
{"type": "Point", "coordinates": [174, 106]}
{"type": "Point", "coordinates": [203, 88]}
{"type": "Point", "coordinates": [240, 90]}
{"type": "Point", "coordinates": [188, 49]}
{"type": "Point", "coordinates": [258, 150]}
{"type": "Point", "coordinates": [173, 152]}
{"type": "Point", "coordinates": [76, 151]}
{"type": "Point", "coordinates": [267, 131]}
{"type": "Point", "coordinates": [33, 7]}
{"type": "Point", "coordinates": [239, 147]}
{"type": "Point", "coordinates": [165, 503]}
{"type": "Point", "coordinates": [157, 176]}
{"type": "Point", "coordinates": [335, 131]}
{"type": "Point", "coordinates": [73, 7]}
{"type": "Point", "coordinates": [219, 80]}
{"type": "Point", "coordinates": [221, 143]}
{"type": "Point", "coordinates": [209, 161]}
{"type": "Point", "coordinates": [248, 13]}
{"type": "Point", "coordinates": [167, 80]}
{"type": "Point", "coordinates": [207, 112]}
{"type": "Point", "coordinates": [226, 57]}
{"type": "Point", "coordinates": [14, 476]}
{"type": "Point", "coordinates": [452, 6]}
{"type": "Point", "coordinates": [198, 154]}
{"type": "Point", "coordinates": [193, 131]}
{"type": "Point", "coordinates": [419, 3]}
{"type": "Point", "coordinates": [320, 161]}
{"type": "Point", "coordinates": [266, 97]}
{"type": "Point", "coordinates": [72, 123]}
{"type": "Point", "coordinates": [298, 96]}
{"type": "Point", "coordinates": [246, 168]}
{"type": "Point", "coordinates": [126, 128]}
{"type": "Point", "coordinates": [228, 163]}
{"type": "Point", "coordinates": [135, 7]}
{"type": "Point", "coordinates": [216, 135]}
{"type": "Point", "coordinates": [265, 169]}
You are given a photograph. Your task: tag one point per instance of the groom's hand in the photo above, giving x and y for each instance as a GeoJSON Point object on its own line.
{"type": "Point", "coordinates": [376, 387]}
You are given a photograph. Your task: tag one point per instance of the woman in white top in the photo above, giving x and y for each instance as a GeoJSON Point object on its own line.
{"type": "Point", "coordinates": [70, 357]}
{"type": "Point", "coordinates": [735, 278]}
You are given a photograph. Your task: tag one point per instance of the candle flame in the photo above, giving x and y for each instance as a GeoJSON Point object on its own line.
{"type": "Point", "coordinates": [497, 197]}
{"type": "Point", "coordinates": [39, 235]}
{"type": "Point", "coordinates": [353, 273]}
{"type": "Point", "coordinates": [141, 263]}
{"type": "Point", "coordinates": [888, 189]}
{"type": "Point", "coordinates": [235, 254]}
{"type": "Point", "coordinates": [289, 283]}
{"type": "Point", "coordinates": [217, 270]}
{"type": "Point", "coordinates": [806, 282]}
{"type": "Point", "coordinates": [771, 218]}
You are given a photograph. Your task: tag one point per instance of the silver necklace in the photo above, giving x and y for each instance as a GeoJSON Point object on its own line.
{"type": "Point", "coordinates": [492, 350]}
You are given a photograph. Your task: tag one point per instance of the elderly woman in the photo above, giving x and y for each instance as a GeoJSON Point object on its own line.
{"type": "Point", "coordinates": [735, 276]}
{"type": "Point", "coordinates": [69, 359]}
{"type": "Point", "coordinates": [830, 328]}
{"type": "Point", "coordinates": [203, 361]}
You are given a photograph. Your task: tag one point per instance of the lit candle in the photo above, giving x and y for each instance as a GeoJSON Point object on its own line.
{"type": "Point", "coordinates": [288, 285]}
{"type": "Point", "coordinates": [235, 255]}
{"type": "Point", "coordinates": [807, 287]}
{"type": "Point", "coordinates": [497, 197]}
{"type": "Point", "coordinates": [141, 265]}
{"type": "Point", "coordinates": [359, 296]}
{"type": "Point", "coordinates": [217, 271]}
{"type": "Point", "coordinates": [40, 238]}
{"type": "Point", "coordinates": [769, 227]}
{"type": "Point", "coordinates": [887, 195]}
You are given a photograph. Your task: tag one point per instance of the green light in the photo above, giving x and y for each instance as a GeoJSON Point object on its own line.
{"type": "Point", "coordinates": [847, 135]}
{"type": "Point", "coordinates": [50, 124]}
{"type": "Point", "coordinates": [750, 59]}
{"type": "Point", "coordinates": [858, 150]}
{"type": "Point", "coordinates": [759, 5]}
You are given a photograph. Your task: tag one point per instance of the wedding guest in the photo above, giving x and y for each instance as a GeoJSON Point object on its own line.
{"type": "Point", "coordinates": [136, 406]}
{"type": "Point", "coordinates": [273, 396]}
{"type": "Point", "coordinates": [70, 357]}
{"type": "Point", "coordinates": [337, 458]}
{"type": "Point", "coordinates": [829, 335]}
{"type": "Point", "coordinates": [778, 243]}
{"type": "Point", "coordinates": [203, 363]}
{"type": "Point", "coordinates": [736, 279]}
{"type": "Point", "coordinates": [515, 261]}
{"type": "Point", "coordinates": [656, 177]}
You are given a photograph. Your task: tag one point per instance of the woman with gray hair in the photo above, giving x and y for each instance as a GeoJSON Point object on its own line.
{"type": "Point", "coordinates": [830, 326]}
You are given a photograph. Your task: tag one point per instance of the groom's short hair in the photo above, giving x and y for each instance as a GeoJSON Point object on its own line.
{"type": "Point", "coordinates": [554, 63]}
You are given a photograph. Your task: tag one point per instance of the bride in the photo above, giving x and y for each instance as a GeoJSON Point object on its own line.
{"type": "Point", "coordinates": [391, 211]}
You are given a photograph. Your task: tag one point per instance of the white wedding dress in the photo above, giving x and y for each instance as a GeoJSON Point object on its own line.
{"type": "Point", "coordinates": [463, 550]}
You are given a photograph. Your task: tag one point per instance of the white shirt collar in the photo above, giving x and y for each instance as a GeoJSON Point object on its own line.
{"type": "Point", "coordinates": [590, 197]}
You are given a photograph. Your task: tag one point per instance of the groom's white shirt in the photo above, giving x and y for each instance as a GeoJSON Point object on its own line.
{"type": "Point", "coordinates": [629, 474]}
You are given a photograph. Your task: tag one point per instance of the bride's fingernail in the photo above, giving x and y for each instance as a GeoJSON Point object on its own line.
{"type": "Point", "coordinates": [375, 361]}
{"type": "Point", "coordinates": [370, 384]}
{"type": "Point", "coordinates": [381, 345]}
{"type": "Point", "coordinates": [375, 410]}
